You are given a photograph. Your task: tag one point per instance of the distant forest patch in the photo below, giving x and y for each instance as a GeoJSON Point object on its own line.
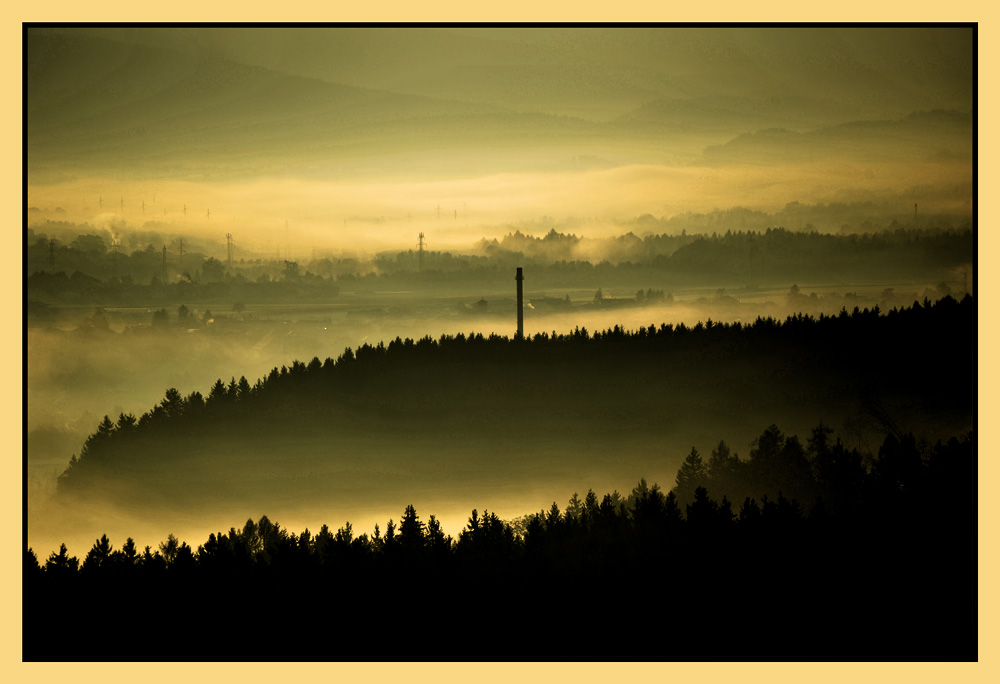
{"type": "Point", "coordinates": [91, 270]}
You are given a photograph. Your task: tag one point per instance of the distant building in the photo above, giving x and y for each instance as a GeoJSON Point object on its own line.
{"type": "Point", "coordinates": [481, 305]}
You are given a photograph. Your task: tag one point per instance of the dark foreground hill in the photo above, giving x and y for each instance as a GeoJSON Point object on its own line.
{"type": "Point", "coordinates": [881, 567]}
{"type": "Point", "coordinates": [435, 415]}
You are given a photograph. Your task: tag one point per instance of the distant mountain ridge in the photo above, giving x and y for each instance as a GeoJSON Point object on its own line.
{"type": "Point", "coordinates": [602, 72]}
{"type": "Point", "coordinates": [221, 103]}
{"type": "Point", "coordinates": [926, 135]}
{"type": "Point", "coordinates": [93, 102]}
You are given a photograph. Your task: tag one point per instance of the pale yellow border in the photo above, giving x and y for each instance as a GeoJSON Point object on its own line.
{"type": "Point", "coordinates": [12, 670]}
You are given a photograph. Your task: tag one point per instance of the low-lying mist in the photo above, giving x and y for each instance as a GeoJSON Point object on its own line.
{"type": "Point", "coordinates": [231, 204]}
{"type": "Point", "coordinates": [295, 217]}
{"type": "Point", "coordinates": [75, 376]}
{"type": "Point", "coordinates": [270, 272]}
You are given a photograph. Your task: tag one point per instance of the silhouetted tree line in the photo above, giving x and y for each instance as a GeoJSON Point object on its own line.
{"type": "Point", "coordinates": [729, 259]}
{"type": "Point", "coordinates": [881, 565]}
{"type": "Point", "coordinates": [763, 256]}
{"type": "Point", "coordinates": [835, 217]}
{"type": "Point", "coordinates": [859, 354]}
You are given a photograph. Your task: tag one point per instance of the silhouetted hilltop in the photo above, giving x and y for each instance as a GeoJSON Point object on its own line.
{"type": "Point", "coordinates": [928, 135]}
{"type": "Point", "coordinates": [96, 104]}
{"type": "Point", "coordinates": [490, 404]}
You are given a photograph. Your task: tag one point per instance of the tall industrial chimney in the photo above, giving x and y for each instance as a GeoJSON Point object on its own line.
{"type": "Point", "coordinates": [520, 304]}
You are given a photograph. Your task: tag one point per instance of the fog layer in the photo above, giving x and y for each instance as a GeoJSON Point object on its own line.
{"type": "Point", "coordinates": [256, 133]}
{"type": "Point", "coordinates": [315, 147]}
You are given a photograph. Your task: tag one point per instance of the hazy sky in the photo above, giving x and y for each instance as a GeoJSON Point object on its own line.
{"type": "Point", "coordinates": [365, 136]}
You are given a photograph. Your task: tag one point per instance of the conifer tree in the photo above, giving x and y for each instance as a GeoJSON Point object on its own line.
{"type": "Point", "coordinates": [692, 474]}
{"type": "Point", "coordinates": [62, 564]}
{"type": "Point", "coordinates": [436, 539]}
{"type": "Point", "coordinates": [98, 555]}
{"type": "Point", "coordinates": [411, 530]}
{"type": "Point", "coordinates": [722, 469]}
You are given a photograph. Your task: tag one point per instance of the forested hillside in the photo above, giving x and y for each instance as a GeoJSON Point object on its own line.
{"type": "Point", "coordinates": [437, 411]}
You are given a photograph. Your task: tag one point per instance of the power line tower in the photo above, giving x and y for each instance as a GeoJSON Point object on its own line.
{"type": "Point", "coordinates": [114, 259]}
{"type": "Point", "coordinates": [180, 257]}
{"type": "Point", "coordinates": [420, 254]}
{"type": "Point", "coordinates": [52, 255]}
{"type": "Point", "coordinates": [164, 264]}
{"type": "Point", "coordinates": [229, 250]}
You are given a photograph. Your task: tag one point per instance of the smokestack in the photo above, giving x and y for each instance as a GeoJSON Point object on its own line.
{"type": "Point", "coordinates": [520, 304]}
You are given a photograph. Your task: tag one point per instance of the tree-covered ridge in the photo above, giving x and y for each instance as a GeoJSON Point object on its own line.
{"type": "Point", "coordinates": [889, 545]}
{"type": "Point", "coordinates": [86, 270]}
{"type": "Point", "coordinates": [775, 243]}
{"type": "Point", "coordinates": [865, 356]}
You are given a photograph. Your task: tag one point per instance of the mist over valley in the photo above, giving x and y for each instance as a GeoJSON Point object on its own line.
{"type": "Point", "coordinates": [271, 272]}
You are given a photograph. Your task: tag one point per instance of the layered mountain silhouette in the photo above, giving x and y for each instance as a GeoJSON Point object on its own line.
{"type": "Point", "coordinates": [222, 103]}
